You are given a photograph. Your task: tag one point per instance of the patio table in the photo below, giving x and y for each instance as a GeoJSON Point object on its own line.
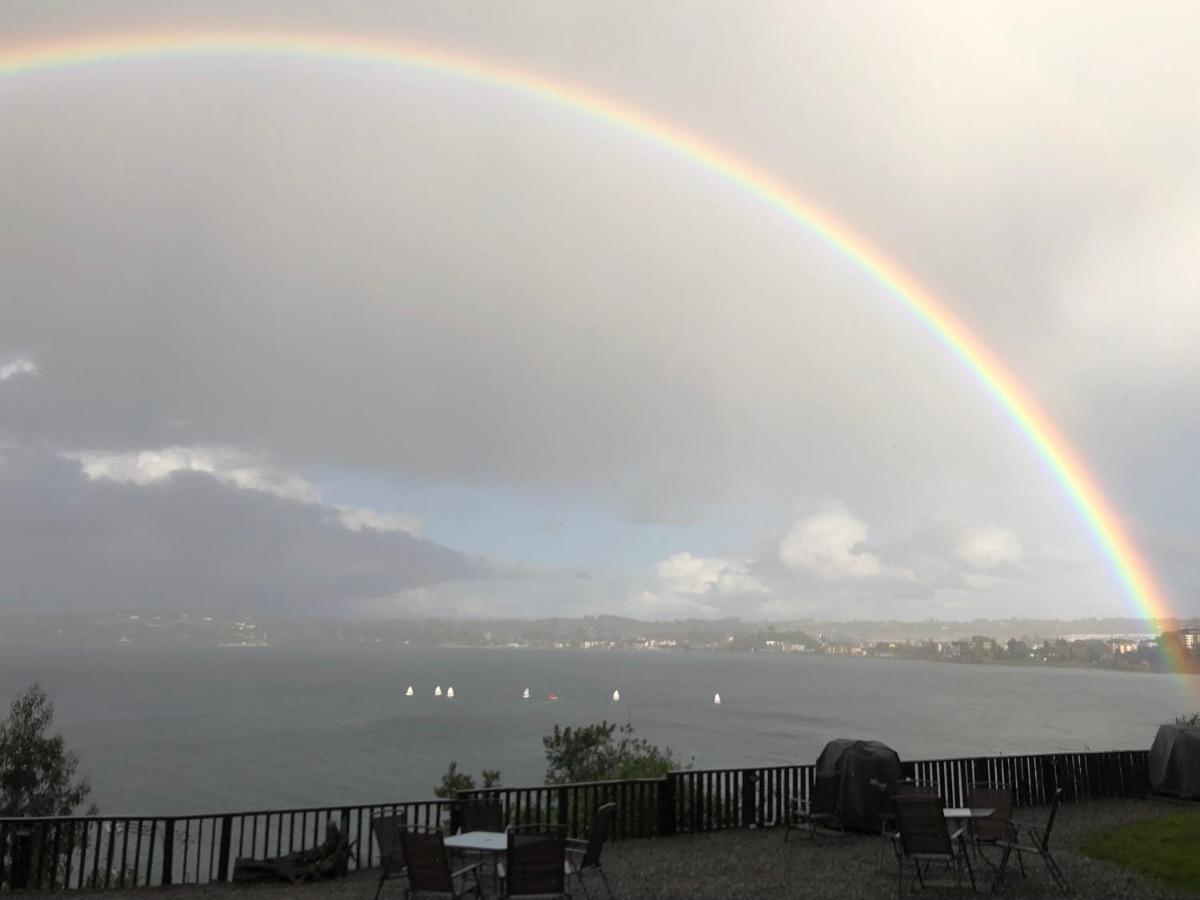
{"type": "Point", "coordinates": [968, 812]}
{"type": "Point", "coordinates": [480, 841]}
{"type": "Point", "coordinates": [490, 842]}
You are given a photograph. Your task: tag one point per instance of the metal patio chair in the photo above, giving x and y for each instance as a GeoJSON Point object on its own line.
{"type": "Point", "coordinates": [391, 853]}
{"type": "Point", "coordinates": [583, 856]}
{"type": "Point", "coordinates": [480, 814]}
{"type": "Point", "coordinates": [820, 809]}
{"type": "Point", "coordinates": [535, 864]}
{"type": "Point", "coordinates": [1038, 843]}
{"type": "Point", "coordinates": [997, 827]}
{"type": "Point", "coordinates": [887, 819]}
{"type": "Point", "coordinates": [429, 870]}
{"type": "Point", "coordinates": [925, 838]}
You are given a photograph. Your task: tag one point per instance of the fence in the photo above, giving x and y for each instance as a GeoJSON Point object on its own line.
{"type": "Point", "coordinates": [104, 852]}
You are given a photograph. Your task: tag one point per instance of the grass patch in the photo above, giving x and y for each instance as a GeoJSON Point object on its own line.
{"type": "Point", "coordinates": [1165, 849]}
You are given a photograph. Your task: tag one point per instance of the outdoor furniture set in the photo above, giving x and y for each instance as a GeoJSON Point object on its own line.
{"type": "Point", "coordinates": [528, 860]}
{"type": "Point", "coordinates": [922, 830]}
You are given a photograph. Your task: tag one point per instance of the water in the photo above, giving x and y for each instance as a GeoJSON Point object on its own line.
{"type": "Point", "coordinates": [216, 729]}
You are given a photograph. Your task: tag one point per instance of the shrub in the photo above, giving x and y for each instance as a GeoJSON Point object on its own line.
{"type": "Point", "coordinates": [454, 781]}
{"type": "Point", "coordinates": [594, 753]}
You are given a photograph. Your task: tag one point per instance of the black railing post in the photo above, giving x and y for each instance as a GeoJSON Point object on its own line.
{"type": "Point", "coordinates": [223, 852]}
{"type": "Point", "coordinates": [749, 806]}
{"type": "Point", "coordinates": [344, 820]}
{"type": "Point", "coordinates": [562, 806]}
{"type": "Point", "coordinates": [22, 858]}
{"type": "Point", "coordinates": [168, 863]}
{"type": "Point", "coordinates": [666, 805]}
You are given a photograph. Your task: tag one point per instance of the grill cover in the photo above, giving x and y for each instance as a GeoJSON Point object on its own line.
{"type": "Point", "coordinates": [1175, 762]}
{"type": "Point", "coordinates": [868, 772]}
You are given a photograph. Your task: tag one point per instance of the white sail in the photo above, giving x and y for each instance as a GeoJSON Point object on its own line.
{"type": "Point", "coordinates": [717, 699]}
{"type": "Point", "coordinates": [616, 696]}
{"type": "Point", "coordinates": [437, 691]}
{"type": "Point", "coordinates": [450, 692]}
{"type": "Point", "coordinates": [525, 695]}
{"type": "Point", "coordinates": [409, 692]}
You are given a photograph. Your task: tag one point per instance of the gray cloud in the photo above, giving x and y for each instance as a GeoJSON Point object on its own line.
{"type": "Point", "coordinates": [191, 542]}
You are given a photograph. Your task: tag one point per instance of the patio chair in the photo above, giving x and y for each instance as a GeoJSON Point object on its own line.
{"type": "Point", "coordinates": [391, 854]}
{"type": "Point", "coordinates": [925, 838]}
{"type": "Point", "coordinates": [887, 819]}
{"type": "Point", "coordinates": [998, 826]}
{"type": "Point", "coordinates": [819, 809]}
{"type": "Point", "coordinates": [480, 814]}
{"type": "Point", "coordinates": [429, 867]}
{"type": "Point", "coordinates": [1039, 843]}
{"type": "Point", "coordinates": [585, 855]}
{"type": "Point", "coordinates": [535, 864]}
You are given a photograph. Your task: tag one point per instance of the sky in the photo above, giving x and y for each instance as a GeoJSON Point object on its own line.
{"type": "Point", "coordinates": [323, 337]}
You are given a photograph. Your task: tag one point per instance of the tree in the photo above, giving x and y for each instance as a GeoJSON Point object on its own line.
{"type": "Point", "coordinates": [594, 753]}
{"type": "Point", "coordinates": [454, 781]}
{"type": "Point", "coordinates": [36, 770]}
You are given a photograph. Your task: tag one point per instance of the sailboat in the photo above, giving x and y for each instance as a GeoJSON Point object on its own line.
{"type": "Point", "coordinates": [616, 696]}
{"type": "Point", "coordinates": [717, 699]}
{"type": "Point", "coordinates": [525, 694]}
{"type": "Point", "coordinates": [450, 692]}
{"type": "Point", "coordinates": [409, 692]}
{"type": "Point", "coordinates": [437, 691]}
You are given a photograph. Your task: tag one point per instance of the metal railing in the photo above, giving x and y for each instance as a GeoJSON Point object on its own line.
{"type": "Point", "coordinates": [106, 852]}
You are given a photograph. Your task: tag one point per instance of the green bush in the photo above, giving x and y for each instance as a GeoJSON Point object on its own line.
{"type": "Point", "coordinates": [595, 753]}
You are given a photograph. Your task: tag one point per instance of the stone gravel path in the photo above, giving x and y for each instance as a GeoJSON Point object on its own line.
{"type": "Point", "coordinates": [758, 863]}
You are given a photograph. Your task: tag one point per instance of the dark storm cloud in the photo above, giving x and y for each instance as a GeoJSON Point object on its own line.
{"type": "Point", "coordinates": [190, 543]}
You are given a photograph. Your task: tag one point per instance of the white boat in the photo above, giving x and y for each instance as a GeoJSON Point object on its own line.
{"type": "Point", "coordinates": [437, 691]}
{"type": "Point", "coordinates": [450, 692]}
{"type": "Point", "coordinates": [717, 699]}
{"type": "Point", "coordinates": [525, 694]}
{"type": "Point", "coordinates": [616, 696]}
{"type": "Point", "coordinates": [409, 692]}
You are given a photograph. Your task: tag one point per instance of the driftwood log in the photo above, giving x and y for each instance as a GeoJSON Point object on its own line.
{"type": "Point", "coordinates": [330, 860]}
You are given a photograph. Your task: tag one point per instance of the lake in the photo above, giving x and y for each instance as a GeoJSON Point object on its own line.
{"type": "Point", "coordinates": [216, 729]}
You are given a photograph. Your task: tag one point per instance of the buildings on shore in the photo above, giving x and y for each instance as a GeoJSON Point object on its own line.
{"type": "Point", "coordinates": [932, 640]}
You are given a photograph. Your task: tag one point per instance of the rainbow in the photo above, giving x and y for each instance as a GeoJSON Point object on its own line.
{"type": "Point", "coordinates": [1109, 533]}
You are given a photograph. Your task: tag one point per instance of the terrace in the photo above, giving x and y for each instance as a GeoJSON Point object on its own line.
{"type": "Point", "coordinates": [758, 863]}
{"type": "Point", "coordinates": [692, 834]}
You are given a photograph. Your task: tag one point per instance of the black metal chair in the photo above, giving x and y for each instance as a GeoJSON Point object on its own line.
{"type": "Point", "coordinates": [429, 869]}
{"type": "Point", "coordinates": [1039, 843]}
{"type": "Point", "coordinates": [998, 827]}
{"type": "Point", "coordinates": [391, 853]}
{"type": "Point", "coordinates": [820, 809]}
{"type": "Point", "coordinates": [480, 814]}
{"type": "Point", "coordinates": [887, 819]}
{"type": "Point", "coordinates": [925, 838]}
{"type": "Point", "coordinates": [583, 856]}
{"type": "Point", "coordinates": [535, 864]}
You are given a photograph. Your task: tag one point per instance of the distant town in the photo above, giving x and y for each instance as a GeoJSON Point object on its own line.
{"type": "Point", "coordinates": [1122, 644]}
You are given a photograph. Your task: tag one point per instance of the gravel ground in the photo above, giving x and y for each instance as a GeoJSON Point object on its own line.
{"type": "Point", "coordinates": [749, 864]}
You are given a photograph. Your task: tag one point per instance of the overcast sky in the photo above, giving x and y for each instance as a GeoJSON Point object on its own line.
{"type": "Point", "coordinates": [327, 337]}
